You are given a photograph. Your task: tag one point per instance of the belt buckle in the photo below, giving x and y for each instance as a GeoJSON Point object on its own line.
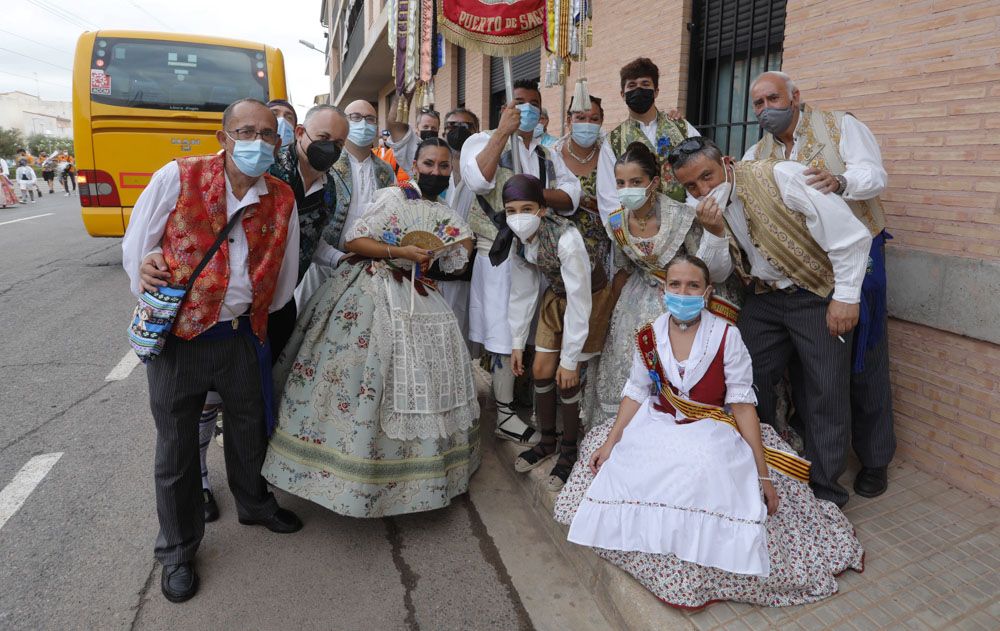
{"type": "Point", "coordinates": [236, 323]}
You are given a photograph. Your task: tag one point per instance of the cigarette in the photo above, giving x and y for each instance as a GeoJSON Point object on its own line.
{"type": "Point", "coordinates": [842, 340]}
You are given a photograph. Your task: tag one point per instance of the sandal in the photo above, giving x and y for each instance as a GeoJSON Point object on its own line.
{"type": "Point", "coordinates": [560, 472]}
{"type": "Point", "coordinates": [511, 427]}
{"type": "Point", "coordinates": [531, 458]}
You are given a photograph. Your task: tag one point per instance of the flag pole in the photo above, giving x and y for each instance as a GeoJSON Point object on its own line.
{"type": "Point", "coordinates": [508, 79]}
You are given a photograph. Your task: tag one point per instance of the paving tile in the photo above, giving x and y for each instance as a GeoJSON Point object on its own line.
{"type": "Point", "coordinates": [703, 620]}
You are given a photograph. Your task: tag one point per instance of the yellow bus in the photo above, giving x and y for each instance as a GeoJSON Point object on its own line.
{"type": "Point", "coordinates": [141, 99]}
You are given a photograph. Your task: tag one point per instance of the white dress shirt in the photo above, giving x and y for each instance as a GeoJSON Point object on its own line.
{"type": "Point", "coordinates": [4, 168]}
{"type": "Point", "coordinates": [459, 196]}
{"type": "Point", "coordinates": [607, 190]}
{"type": "Point", "coordinates": [362, 194]}
{"type": "Point", "coordinates": [865, 175]}
{"type": "Point", "coordinates": [149, 221]}
{"type": "Point", "coordinates": [405, 151]}
{"type": "Point", "coordinates": [524, 286]}
{"type": "Point", "coordinates": [830, 222]}
{"type": "Point", "coordinates": [473, 177]}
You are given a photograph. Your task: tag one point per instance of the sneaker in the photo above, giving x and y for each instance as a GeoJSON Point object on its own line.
{"type": "Point", "coordinates": [67, 195]}
{"type": "Point", "coordinates": [218, 429]}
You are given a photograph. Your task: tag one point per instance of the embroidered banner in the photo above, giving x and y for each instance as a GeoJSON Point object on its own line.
{"type": "Point", "coordinates": [502, 28]}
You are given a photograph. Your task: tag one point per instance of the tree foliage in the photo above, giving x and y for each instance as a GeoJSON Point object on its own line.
{"type": "Point", "coordinates": [10, 141]}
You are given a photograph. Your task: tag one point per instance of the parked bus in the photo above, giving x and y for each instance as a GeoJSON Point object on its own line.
{"type": "Point", "coordinates": [141, 99]}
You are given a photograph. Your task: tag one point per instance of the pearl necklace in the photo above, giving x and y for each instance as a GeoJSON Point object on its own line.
{"type": "Point", "coordinates": [569, 148]}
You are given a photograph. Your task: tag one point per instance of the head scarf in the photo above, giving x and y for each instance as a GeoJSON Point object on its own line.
{"type": "Point", "coordinates": [524, 188]}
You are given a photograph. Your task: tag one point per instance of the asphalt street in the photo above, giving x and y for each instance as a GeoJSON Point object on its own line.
{"type": "Point", "coordinates": [76, 535]}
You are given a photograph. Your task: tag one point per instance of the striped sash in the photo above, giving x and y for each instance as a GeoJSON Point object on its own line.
{"type": "Point", "coordinates": [789, 464]}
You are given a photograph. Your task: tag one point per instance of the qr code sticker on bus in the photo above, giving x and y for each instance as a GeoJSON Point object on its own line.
{"type": "Point", "coordinates": [100, 82]}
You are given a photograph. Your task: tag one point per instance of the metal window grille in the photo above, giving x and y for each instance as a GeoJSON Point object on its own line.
{"type": "Point", "coordinates": [732, 41]}
{"type": "Point", "coordinates": [460, 83]}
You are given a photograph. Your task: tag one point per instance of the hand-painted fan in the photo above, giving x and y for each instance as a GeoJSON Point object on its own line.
{"type": "Point", "coordinates": [422, 223]}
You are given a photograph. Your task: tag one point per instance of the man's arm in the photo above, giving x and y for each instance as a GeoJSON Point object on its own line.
{"type": "Point", "coordinates": [288, 276]}
{"type": "Point", "coordinates": [472, 175]}
{"type": "Point", "coordinates": [834, 227]}
{"type": "Point", "coordinates": [865, 174]}
{"type": "Point", "coordinates": [489, 156]}
{"type": "Point", "coordinates": [575, 272]}
{"type": "Point", "coordinates": [563, 195]}
{"type": "Point", "coordinates": [149, 221]}
{"type": "Point", "coordinates": [523, 296]}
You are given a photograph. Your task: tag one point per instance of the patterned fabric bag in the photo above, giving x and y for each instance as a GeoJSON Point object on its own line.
{"type": "Point", "coordinates": [154, 315]}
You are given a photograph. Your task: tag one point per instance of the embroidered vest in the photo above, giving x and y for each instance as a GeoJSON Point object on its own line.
{"type": "Point", "coordinates": [780, 233]}
{"type": "Point", "coordinates": [314, 215]}
{"type": "Point", "coordinates": [505, 170]}
{"type": "Point", "coordinates": [552, 229]}
{"type": "Point", "coordinates": [668, 134]}
{"type": "Point", "coordinates": [820, 148]}
{"type": "Point", "coordinates": [191, 229]}
{"type": "Point", "coordinates": [341, 172]}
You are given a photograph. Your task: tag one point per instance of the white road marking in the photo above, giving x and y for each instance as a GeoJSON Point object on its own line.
{"type": "Point", "coordinates": [14, 494]}
{"type": "Point", "coordinates": [124, 367]}
{"type": "Point", "coordinates": [4, 223]}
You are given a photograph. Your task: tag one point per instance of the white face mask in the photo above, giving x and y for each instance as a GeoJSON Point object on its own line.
{"type": "Point", "coordinates": [722, 192]}
{"type": "Point", "coordinates": [524, 225]}
{"type": "Point", "coordinates": [632, 198]}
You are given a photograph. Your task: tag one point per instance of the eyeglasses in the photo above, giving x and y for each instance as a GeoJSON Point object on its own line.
{"type": "Point", "coordinates": [357, 118]}
{"type": "Point", "coordinates": [686, 148]}
{"type": "Point", "coordinates": [249, 133]}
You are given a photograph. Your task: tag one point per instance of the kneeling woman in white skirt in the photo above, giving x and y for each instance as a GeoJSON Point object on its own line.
{"type": "Point", "coordinates": [686, 490]}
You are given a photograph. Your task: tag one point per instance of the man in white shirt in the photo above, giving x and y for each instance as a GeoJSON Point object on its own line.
{"type": "Point", "coordinates": [486, 164]}
{"type": "Point", "coordinates": [843, 157]}
{"type": "Point", "coordinates": [403, 139]}
{"type": "Point", "coordinates": [218, 340]}
{"type": "Point", "coordinates": [640, 85]}
{"type": "Point", "coordinates": [358, 173]}
{"type": "Point", "coordinates": [805, 284]}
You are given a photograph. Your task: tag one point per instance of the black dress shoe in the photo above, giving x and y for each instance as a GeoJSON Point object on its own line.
{"type": "Point", "coordinates": [211, 508]}
{"type": "Point", "coordinates": [283, 521]}
{"type": "Point", "coordinates": [179, 582]}
{"type": "Point", "coordinates": [871, 481]}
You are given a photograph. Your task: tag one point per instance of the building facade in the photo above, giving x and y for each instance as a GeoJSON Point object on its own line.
{"type": "Point", "coordinates": [32, 115]}
{"type": "Point", "coordinates": [924, 75]}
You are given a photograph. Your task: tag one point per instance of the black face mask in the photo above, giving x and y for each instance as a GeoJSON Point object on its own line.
{"type": "Point", "coordinates": [322, 154]}
{"type": "Point", "coordinates": [432, 185]}
{"type": "Point", "coordinates": [639, 100]}
{"type": "Point", "coordinates": [428, 133]}
{"type": "Point", "coordinates": [457, 136]}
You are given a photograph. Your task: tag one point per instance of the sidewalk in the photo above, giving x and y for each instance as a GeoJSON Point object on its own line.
{"type": "Point", "coordinates": [932, 562]}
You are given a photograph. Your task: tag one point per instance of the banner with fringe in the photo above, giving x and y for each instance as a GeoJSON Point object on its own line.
{"type": "Point", "coordinates": [501, 28]}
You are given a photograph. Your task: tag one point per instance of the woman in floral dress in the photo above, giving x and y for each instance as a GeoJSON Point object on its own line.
{"type": "Point", "coordinates": [647, 231]}
{"type": "Point", "coordinates": [378, 413]}
{"type": "Point", "coordinates": [686, 490]}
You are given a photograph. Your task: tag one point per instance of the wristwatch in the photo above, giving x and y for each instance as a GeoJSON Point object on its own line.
{"type": "Point", "coordinates": [842, 181]}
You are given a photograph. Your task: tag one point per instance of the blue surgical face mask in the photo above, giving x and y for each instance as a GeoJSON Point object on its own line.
{"type": "Point", "coordinates": [632, 198]}
{"type": "Point", "coordinates": [529, 116]}
{"type": "Point", "coordinates": [538, 130]}
{"type": "Point", "coordinates": [362, 133]}
{"type": "Point", "coordinates": [286, 130]}
{"type": "Point", "coordinates": [253, 157]}
{"type": "Point", "coordinates": [585, 134]}
{"type": "Point", "coordinates": [684, 308]}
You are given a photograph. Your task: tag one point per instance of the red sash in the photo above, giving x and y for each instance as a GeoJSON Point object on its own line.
{"type": "Point", "coordinates": [668, 400]}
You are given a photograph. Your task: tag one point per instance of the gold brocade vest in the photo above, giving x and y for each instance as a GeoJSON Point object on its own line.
{"type": "Point", "coordinates": [820, 148]}
{"type": "Point", "coordinates": [669, 134]}
{"type": "Point", "coordinates": [780, 233]}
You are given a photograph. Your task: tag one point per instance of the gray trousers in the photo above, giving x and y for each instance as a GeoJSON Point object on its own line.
{"type": "Point", "coordinates": [779, 328]}
{"type": "Point", "coordinates": [179, 379]}
{"type": "Point", "coordinates": [872, 433]}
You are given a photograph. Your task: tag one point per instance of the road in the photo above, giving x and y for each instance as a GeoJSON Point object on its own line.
{"type": "Point", "coordinates": [77, 529]}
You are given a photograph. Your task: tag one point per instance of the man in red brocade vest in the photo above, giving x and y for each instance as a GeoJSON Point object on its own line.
{"type": "Point", "coordinates": [219, 339]}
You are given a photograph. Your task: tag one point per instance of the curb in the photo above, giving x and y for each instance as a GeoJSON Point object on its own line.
{"type": "Point", "coordinates": [625, 603]}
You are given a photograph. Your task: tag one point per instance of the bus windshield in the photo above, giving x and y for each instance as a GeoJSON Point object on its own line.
{"type": "Point", "coordinates": [167, 75]}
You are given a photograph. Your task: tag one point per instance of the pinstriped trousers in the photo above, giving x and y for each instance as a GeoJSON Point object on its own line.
{"type": "Point", "coordinates": [179, 379]}
{"type": "Point", "coordinates": [780, 330]}
{"type": "Point", "coordinates": [872, 433]}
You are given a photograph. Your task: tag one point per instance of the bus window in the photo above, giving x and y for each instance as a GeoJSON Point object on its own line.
{"type": "Point", "coordinates": [152, 74]}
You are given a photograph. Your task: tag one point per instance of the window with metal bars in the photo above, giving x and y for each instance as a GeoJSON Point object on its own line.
{"type": "Point", "coordinates": [460, 83]}
{"type": "Point", "coordinates": [732, 41]}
